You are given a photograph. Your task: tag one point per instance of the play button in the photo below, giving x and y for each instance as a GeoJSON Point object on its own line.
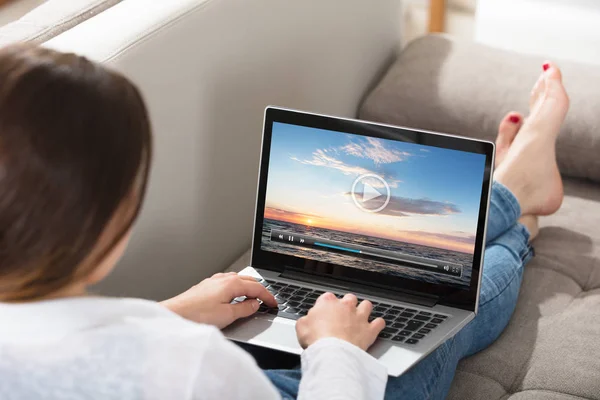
{"type": "Point", "coordinates": [370, 193]}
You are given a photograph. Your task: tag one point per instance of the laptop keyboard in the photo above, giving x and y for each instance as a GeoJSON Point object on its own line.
{"type": "Point", "coordinates": [403, 324]}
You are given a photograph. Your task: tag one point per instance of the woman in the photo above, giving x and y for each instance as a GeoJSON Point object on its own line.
{"type": "Point", "coordinates": [75, 151]}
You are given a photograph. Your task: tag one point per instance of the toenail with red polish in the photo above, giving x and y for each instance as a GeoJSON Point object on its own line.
{"type": "Point", "coordinates": [514, 119]}
{"type": "Point", "coordinates": [546, 66]}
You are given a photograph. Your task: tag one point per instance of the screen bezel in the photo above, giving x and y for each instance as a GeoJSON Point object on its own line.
{"type": "Point", "coordinates": [464, 298]}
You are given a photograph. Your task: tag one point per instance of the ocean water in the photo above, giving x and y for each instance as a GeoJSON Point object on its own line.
{"type": "Point", "coordinates": [396, 270]}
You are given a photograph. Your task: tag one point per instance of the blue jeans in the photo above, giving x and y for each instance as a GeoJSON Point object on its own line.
{"type": "Point", "coordinates": [507, 251]}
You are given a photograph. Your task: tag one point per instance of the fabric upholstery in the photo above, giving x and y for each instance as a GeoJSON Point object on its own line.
{"type": "Point", "coordinates": [51, 19]}
{"type": "Point", "coordinates": [464, 88]}
{"type": "Point", "coordinates": [551, 348]}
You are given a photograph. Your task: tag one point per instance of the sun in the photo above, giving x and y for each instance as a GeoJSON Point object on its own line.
{"type": "Point", "coordinates": [309, 221]}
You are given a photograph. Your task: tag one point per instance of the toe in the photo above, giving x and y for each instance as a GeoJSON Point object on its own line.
{"type": "Point", "coordinates": [551, 71]}
{"type": "Point", "coordinates": [508, 129]}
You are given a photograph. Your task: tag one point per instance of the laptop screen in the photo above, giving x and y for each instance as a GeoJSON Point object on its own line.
{"type": "Point", "coordinates": [402, 209]}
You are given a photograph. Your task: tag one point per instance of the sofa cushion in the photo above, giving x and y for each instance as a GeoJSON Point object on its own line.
{"type": "Point", "coordinates": [551, 347]}
{"type": "Point", "coordinates": [465, 88]}
{"type": "Point", "coordinates": [51, 19]}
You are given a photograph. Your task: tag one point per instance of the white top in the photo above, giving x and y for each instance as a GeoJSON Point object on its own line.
{"type": "Point", "coordinates": [103, 348]}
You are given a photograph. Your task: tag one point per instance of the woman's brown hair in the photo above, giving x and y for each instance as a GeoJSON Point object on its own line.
{"type": "Point", "coordinates": [75, 151]}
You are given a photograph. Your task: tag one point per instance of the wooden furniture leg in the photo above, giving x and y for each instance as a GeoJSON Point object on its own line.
{"type": "Point", "coordinates": [437, 15]}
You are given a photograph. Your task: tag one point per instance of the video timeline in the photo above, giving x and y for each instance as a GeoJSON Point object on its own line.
{"type": "Point", "coordinates": [369, 253]}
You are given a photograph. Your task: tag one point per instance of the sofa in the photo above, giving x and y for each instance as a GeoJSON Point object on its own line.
{"type": "Point", "coordinates": [207, 69]}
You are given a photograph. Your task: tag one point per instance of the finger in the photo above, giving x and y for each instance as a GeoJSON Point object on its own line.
{"type": "Point", "coordinates": [244, 309]}
{"type": "Point", "coordinates": [376, 326]}
{"type": "Point", "coordinates": [328, 296]}
{"type": "Point", "coordinates": [242, 287]}
{"type": "Point", "coordinates": [350, 299]}
{"type": "Point", "coordinates": [218, 275]}
{"type": "Point", "coordinates": [364, 308]}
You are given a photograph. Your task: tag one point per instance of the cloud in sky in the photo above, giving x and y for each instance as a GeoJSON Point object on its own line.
{"type": "Point", "coordinates": [404, 207]}
{"type": "Point", "coordinates": [322, 159]}
{"type": "Point", "coordinates": [375, 150]}
{"type": "Point", "coordinates": [278, 213]}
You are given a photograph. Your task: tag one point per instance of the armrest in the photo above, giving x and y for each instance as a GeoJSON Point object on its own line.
{"type": "Point", "coordinates": [207, 70]}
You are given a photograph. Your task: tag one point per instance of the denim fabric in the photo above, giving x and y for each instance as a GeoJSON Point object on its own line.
{"type": "Point", "coordinates": [507, 251]}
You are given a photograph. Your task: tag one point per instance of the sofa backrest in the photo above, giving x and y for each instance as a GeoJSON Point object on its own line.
{"type": "Point", "coordinates": [445, 85]}
{"type": "Point", "coordinates": [50, 19]}
{"type": "Point", "coordinates": [207, 70]}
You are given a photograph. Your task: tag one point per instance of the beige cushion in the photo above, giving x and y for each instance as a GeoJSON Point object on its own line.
{"type": "Point", "coordinates": [465, 89]}
{"type": "Point", "coordinates": [51, 19]}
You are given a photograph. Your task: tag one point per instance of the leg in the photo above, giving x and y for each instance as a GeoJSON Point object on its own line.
{"type": "Point", "coordinates": [502, 273]}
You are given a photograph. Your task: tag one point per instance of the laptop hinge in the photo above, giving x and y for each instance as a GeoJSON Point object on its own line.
{"type": "Point", "coordinates": [355, 287]}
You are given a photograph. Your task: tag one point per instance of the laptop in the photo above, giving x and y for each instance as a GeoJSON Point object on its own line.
{"type": "Point", "coordinates": [394, 215]}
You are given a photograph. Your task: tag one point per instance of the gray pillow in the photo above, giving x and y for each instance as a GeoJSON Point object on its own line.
{"type": "Point", "coordinates": [465, 88]}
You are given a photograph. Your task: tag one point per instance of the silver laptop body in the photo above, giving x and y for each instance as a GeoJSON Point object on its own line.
{"type": "Point", "coordinates": [394, 215]}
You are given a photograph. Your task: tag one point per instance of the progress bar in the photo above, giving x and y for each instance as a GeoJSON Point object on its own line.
{"type": "Point", "coordinates": [405, 260]}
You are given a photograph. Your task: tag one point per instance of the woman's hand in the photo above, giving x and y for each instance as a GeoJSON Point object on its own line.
{"type": "Point", "coordinates": [342, 319]}
{"type": "Point", "coordinates": [209, 301]}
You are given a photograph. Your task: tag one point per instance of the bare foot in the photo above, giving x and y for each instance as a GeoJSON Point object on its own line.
{"type": "Point", "coordinates": [529, 167]}
{"type": "Point", "coordinates": [507, 131]}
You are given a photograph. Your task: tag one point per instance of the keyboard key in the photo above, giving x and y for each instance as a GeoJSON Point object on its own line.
{"type": "Point", "coordinates": [440, 316]}
{"type": "Point", "coordinates": [425, 313]}
{"type": "Point", "coordinates": [401, 320]}
{"type": "Point", "coordinates": [312, 295]}
{"type": "Point", "coordinates": [397, 308]}
{"type": "Point", "coordinates": [302, 312]}
{"type": "Point", "coordinates": [398, 325]}
{"type": "Point", "coordinates": [377, 314]}
{"type": "Point", "coordinates": [292, 310]}
{"type": "Point", "coordinates": [287, 290]}
{"type": "Point", "coordinates": [424, 331]}
{"type": "Point", "coordinates": [379, 309]}
{"type": "Point", "coordinates": [404, 333]}
{"type": "Point", "coordinates": [302, 292]}
{"type": "Point", "coordinates": [420, 317]}
{"type": "Point", "coordinates": [418, 336]}
{"type": "Point", "coordinates": [430, 326]}
{"type": "Point", "coordinates": [384, 335]}
{"type": "Point", "coordinates": [437, 321]}
{"type": "Point", "coordinates": [390, 330]}
{"type": "Point", "coordinates": [293, 303]}
{"type": "Point", "coordinates": [294, 287]}
{"type": "Point", "coordinates": [318, 292]}
{"type": "Point", "coordinates": [305, 307]}
{"type": "Point", "coordinates": [390, 319]}
{"type": "Point", "coordinates": [407, 314]}
{"type": "Point", "coordinates": [391, 311]}
{"type": "Point", "coordinates": [413, 325]}
{"type": "Point", "coordinates": [410, 310]}
{"type": "Point", "coordinates": [399, 338]}
{"type": "Point", "coordinates": [296, 298]}
{"type": "Point", "coordinates": [412, 341]}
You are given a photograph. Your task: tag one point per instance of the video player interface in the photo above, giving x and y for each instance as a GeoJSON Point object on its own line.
{"type": "Point", "coordinates": [380, 205]}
